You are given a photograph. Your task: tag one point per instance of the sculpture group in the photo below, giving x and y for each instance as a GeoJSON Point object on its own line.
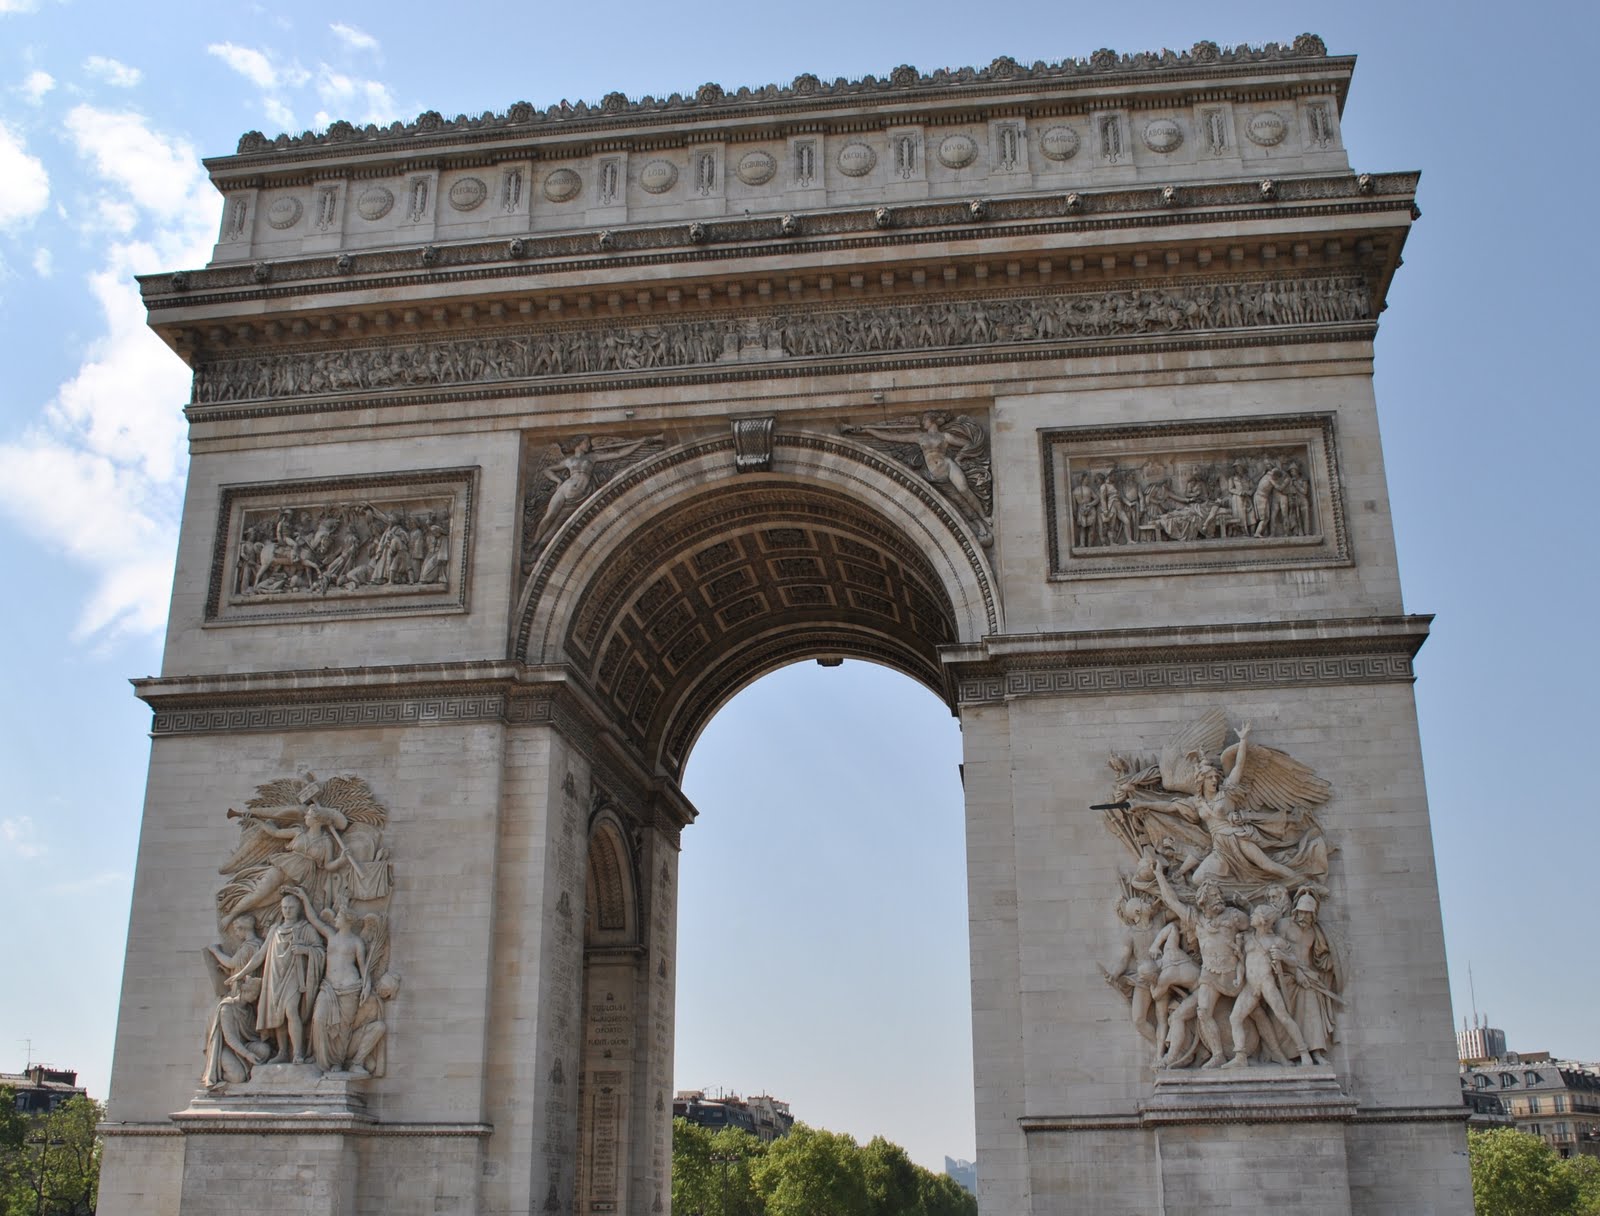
{"type": "Point", "coordinates": [1254, 494]}
{"type": "Point", "coordinates": [1223, 958]}
{"type": "Point", "coordinates": [340, 548]}
{"type": "Point", "coordinates": [302, 969]}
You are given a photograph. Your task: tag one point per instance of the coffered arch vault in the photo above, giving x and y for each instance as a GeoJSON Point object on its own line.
{"type": "Point", "coordinates": [682, 582]}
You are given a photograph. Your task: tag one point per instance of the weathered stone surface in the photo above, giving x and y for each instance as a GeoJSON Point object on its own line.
{"type": "Point", "coordinates": [643, 448]}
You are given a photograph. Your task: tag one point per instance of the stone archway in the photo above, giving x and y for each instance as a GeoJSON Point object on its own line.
{"type": "Point", "coordinates": [689, 584]}
{"type": "Point", "coordinates": [520, 444]}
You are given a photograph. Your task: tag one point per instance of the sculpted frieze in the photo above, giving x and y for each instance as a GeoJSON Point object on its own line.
{"type": "Point", "coordinates": [341, 546]}
{"type": "Point", "coordinates": [1169, 498]}
{"type": "Point", "coordinates": [581, 349]}
{"type": "Point", "coordinates": [1222, 955]}
{"type": "Point", "coordinates": [301, 970]}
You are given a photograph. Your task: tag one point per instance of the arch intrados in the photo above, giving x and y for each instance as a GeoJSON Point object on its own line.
{"type": "Point", "coordinates": [890, 494]}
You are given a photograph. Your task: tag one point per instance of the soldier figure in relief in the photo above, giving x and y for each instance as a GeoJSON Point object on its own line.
{"type": "Point", "coordinates": [1217, 928]}
{"type": "Point", "coordinates": [1265, 953]}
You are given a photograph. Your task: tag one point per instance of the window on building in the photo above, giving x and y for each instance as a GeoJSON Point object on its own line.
{"type": "Point", "coordinates": [1533, 1106]}
{"type": "Point", "coordinates": [1561, 1103]}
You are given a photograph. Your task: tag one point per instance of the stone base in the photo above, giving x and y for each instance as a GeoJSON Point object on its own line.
{"type": "Point", "coordinates": [279, 1142]}
{"type": "Point", "coordinates": [287, 1097]}
{"type": "Point", "coordinates": [1267, 1094]}
{"type": "Point", "coordinates": [1250, 1140]}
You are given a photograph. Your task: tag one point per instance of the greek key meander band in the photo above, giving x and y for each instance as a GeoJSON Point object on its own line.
{"type": "Point", "coordinates": [1159, 677]}
{"type": "Point", "coordinates": [1264, 1112]}
{"type": "Point", "coordinates": [449, 710]}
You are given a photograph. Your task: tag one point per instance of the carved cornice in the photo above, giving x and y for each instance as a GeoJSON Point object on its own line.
{"type": "Point", "coordinates": [711, 101]}
{"type": "Point", "coordinates": [1298, 653]}
{"type": "Point", "coordinates": [281, 1125]}
{"type": "Point", "coordinates": [1264, 1113]}
{"type": "Point", "coordinates": [492, 692]}
{"type": "Point", "coordinates": [848, 229]}
{"type": "Point", "coordinates": [431, 694]}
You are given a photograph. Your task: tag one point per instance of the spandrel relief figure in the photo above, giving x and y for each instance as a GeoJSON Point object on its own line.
{"type": "Point", "coordinates": [301, 971]}
{"type": "Point", "coordinates": [1226, 845]}
{"type": "Point", "coordinates": [950, 452]}
{"type": "Point", "coordinates": [565, 477]}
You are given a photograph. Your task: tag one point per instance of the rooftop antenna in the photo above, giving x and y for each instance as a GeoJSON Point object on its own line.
{"type": "Point", "coordinates": [1473, 991]}
{"type": "Point", "coordinates": [29, 1044]}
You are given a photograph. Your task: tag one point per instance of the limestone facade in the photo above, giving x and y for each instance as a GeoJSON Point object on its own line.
{"type": "Point", "coordinates": [519, 447]}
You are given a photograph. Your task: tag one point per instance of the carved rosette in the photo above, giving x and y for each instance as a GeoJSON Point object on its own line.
{"type": "Point", "coordinates": [302, 968]}
{"type": "Point", "coordinates": [1223, 957]}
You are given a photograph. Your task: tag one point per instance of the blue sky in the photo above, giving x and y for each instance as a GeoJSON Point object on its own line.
{"type": "Point", "coordinates": [1484, 379]}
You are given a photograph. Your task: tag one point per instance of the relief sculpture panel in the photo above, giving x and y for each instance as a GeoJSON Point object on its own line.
{"type": "Point", "coordinates": [1171, 498]}
{"type": "Point", "coordinates": [301, 969]}
{"type": "Point", "coordinates": [342, 547]}
{"type": "Point", "coordinates": [1223, 956]}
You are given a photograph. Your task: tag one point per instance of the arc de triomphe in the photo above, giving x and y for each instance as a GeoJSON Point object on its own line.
{"type": "Point", "coordinates": [521, 443]}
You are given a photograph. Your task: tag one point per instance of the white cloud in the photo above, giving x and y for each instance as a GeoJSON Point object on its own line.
{"type": "Point", "coordinates": [157, 172]}
{"type": "Point", "coordinates": [98, 478]}
{"type": "Point", "coordinates": [359, 101]}
{"type": "Point", "coordinates": [355, 39]}
{"type": "Point", "coordinates": [253, 65]}
{"type": "Point", "coordinates": [271, 77]}
{"type": "Point", "coordinates": [43, 263]}
{"type": "Point", "coordinates": [18, 835]}
{"type": "Point", "coordinates": [24, 184]}
{"type": "Point", "coordinates": [112, 71]}
{"type": "Point", "coordinates": [278, 114]}
{"type": "Point", "coordinates": [18, 6]}
{"type": "Point", "coordinates": [37, 84]}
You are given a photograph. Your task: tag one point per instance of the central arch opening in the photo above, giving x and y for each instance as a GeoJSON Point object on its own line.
{"type": "Point", "coordinates": [827, 954]}
{"type": "Point", "coordinates": [822, 920]}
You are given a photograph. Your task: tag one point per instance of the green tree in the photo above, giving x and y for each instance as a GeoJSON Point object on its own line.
{"type": "Point", "coordinates": [1515, 1174]}
{"type": "Point", "coordinates": [891, 1179]}
{"type": "Point", "coordinates": [56, 1169]}
{"type": "Point", "coordinates": [1585, 1174]}
{"type": "Point", "coordinates": [13, 1126]}
{"type": "Point", "coordinates": [942, 1195]}
{"type": "Point", "coordinates": [698, 1179]}
{"type": "Point", "coordinates": [811, 1172]}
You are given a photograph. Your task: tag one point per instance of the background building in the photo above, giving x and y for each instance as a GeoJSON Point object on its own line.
{"type": "Point", "coordinates": [40, 1088]}
{"type": "Point", "coordinates": [1479, 1041]}
{"type": "Point", "coordinates": [761, 1115]}
{"type": "Point", "coordinates": [964, 1172]}
{"type": "Point", "coordinates": [1556, 1100]}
